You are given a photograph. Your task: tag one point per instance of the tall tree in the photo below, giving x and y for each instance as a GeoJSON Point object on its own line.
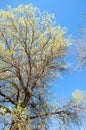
{"type": "Point", "coordinates": [32, 52]}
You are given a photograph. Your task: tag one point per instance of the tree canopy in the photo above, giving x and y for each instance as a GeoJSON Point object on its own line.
{"type": "Point", "coordinates": [32, 53]}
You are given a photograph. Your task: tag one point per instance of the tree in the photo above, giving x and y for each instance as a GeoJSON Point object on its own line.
{"type": "Point", "coordinates": [32, 54]}
{"type": "Point", "coordinates": [81, 52]}
{"type": "Point", "coordinates": [81, 49]}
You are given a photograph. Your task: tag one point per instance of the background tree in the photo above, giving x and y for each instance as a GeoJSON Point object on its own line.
{"type": "Point", "coordinates": [32, 52]}
{"type": "Point", "coordinates": [81, 52]}
{"type": "Point", "coordinates": [81, 49]}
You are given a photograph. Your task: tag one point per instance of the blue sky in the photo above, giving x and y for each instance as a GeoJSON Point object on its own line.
{"type": "Point", "coordinates": [69, 13]}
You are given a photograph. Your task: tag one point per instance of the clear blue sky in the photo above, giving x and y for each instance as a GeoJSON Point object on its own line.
{"type": "Point", "coordinates": [69, 13]}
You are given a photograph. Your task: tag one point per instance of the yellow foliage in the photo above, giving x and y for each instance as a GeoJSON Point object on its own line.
{"type": "Point", "coordinates": [30, 45]}
{"type": "Point", "coordinates": [78, 96]}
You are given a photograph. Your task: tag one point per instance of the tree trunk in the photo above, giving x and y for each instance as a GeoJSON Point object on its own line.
{"type": "Point", "coordinates": [18, 126]}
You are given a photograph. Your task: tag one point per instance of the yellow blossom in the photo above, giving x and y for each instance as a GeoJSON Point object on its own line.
{"type": "Point", "coordinates": [78, 96]}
